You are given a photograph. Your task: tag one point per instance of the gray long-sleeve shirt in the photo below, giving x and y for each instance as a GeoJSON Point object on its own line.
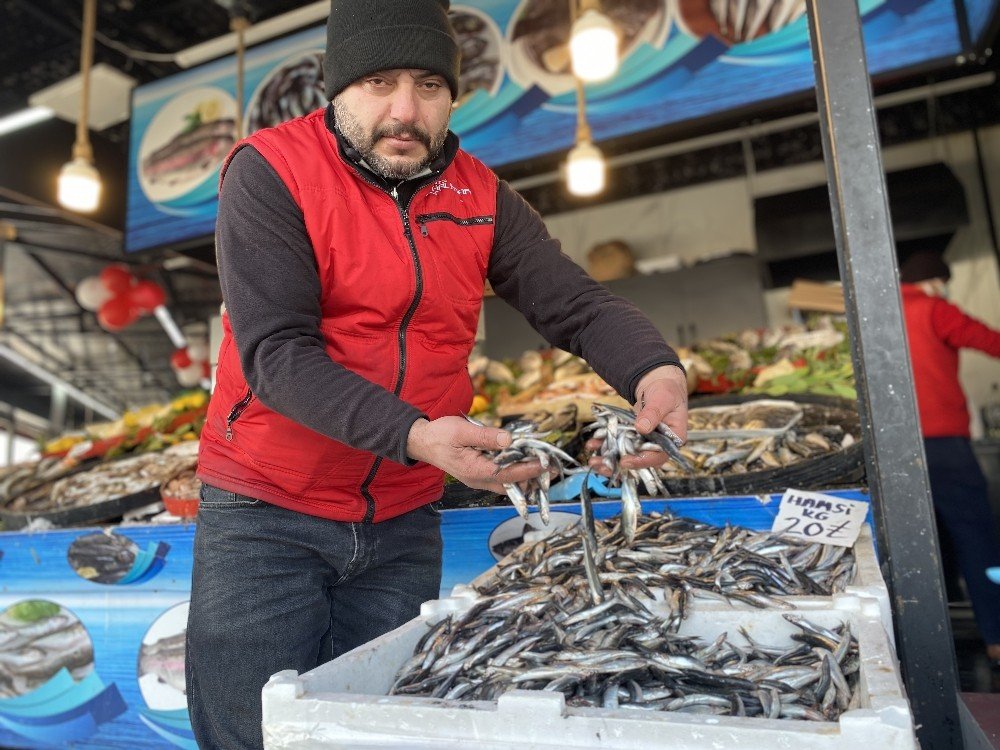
{"type": "Point", "coordinates": [272, 292]}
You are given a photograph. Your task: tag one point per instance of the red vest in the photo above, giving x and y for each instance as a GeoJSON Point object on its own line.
{"type": "Point", "coordinates": [400, 300]}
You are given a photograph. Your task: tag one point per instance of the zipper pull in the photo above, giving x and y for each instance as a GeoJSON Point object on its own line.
{"type": "Point", "coordinates": [423, 228]}
{"type": "Point", "coordinates": [394, 194]}
{"type": "Point", "coordinates": [229, 433]}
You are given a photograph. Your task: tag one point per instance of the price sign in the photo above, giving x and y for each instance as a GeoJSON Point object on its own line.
{"type": "Point", "coordinates": [815, 517]}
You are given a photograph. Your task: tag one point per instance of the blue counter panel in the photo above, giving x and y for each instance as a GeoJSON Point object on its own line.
{"type": "Point", "coordinates": [129, 693]}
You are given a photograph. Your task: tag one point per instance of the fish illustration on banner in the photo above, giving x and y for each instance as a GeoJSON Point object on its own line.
{"type": "Point", "coordinates": [681, 60]}
{"type": "Point", "coordinates": [161, 678]}
{"type": "Point", "coordinates": [113, 558]}
{"type": "Point", "coordinates": [49, 690]}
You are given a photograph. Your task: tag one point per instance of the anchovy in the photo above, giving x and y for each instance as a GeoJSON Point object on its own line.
{"type": "Point", "coordinates": [543, 622]}
{"type": "Point", "coordinates": [529, 443]}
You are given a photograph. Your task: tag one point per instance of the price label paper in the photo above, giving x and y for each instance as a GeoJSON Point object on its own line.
{"type": "Point", "coordinates": [815, 517]}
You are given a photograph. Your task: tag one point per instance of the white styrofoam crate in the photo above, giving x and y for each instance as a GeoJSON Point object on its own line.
{"type": "Point", "coordinates": [343, 704]}
{"type": "Point", "coordinates": [868, 583]}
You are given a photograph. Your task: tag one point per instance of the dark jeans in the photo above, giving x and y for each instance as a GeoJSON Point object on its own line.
{"type": "Point", "coordinates": [273, 589]}
{"type": "Point", "coordinates": [965, 524]}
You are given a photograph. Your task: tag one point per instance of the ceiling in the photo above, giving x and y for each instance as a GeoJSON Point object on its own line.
{"type": "Point", "coordinates": [40, 39]}
{"type": "Point", "coordinates": [54, 250]}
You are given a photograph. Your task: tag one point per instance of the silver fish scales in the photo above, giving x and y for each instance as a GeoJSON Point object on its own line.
{"type": "Point", "coordinates": [537, 626]}
{"type": "Point", "coordinates": [616, 429]}
{"type": "Point", "coordinates": [529, 443]}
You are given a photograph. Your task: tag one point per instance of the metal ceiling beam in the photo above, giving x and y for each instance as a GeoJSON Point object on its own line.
{"type": "Point", "coordinates": [27, 246]}
{"type": "Point", "coordinates": [894, 451]}
{"type": "Point", "coordinates": [60, 364]}
{"type": "Point", "coordinates": [84, 399]}
{"type": "Point", "coordinates": [18, 204]}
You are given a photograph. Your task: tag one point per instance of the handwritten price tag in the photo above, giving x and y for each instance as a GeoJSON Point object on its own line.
{"type": "Point", "coordinates": [815, 517]}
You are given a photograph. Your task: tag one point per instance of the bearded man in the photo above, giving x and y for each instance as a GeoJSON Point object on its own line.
{"type": "Point", "coordinates": [353, 247]}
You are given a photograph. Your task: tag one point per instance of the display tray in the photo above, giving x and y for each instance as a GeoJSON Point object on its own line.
{"type": "Point", "coordinates": [35, 485]}
{"type": "Point", "coordinates": [107, 510]}
{"type": "Point", "coordinates": [841, 468]}
{"type": "Point", "coordinates": [105, 493]}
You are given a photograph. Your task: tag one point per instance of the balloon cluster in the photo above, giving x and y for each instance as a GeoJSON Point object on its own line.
{"type": "Point", "coordinates": [190, 364]}
{"type": "Point", "coordinates": [118, 297]}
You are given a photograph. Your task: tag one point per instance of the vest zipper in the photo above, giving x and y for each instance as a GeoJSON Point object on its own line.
{"type": "Point", "coordinates": [423, 219]}
{"type": "Point", "coordinates": [403, 325]}
{"type": "Point", "coordinates": [236, 411]}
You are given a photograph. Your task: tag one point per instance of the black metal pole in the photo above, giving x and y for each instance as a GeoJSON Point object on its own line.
{"type": "Point", "coordinates": [894, 451]}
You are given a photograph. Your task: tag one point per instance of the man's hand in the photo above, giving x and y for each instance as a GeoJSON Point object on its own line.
{"type": "Point", "coordinates": [456, 446]}
{"type": "Point", "coordinates": [661, 396]}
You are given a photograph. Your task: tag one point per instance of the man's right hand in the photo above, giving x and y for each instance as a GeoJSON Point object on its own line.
{"type": "Point", "coordinates": [455, 445]}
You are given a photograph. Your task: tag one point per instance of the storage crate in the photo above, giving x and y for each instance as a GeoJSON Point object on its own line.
{"type": "Point", "coordinates": [868, 583]}
{"type": "Point", "coordinates": [343, 704]}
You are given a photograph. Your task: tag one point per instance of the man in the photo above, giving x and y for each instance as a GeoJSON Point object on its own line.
{"type": "Point", "coordinates": [936, 330]}
{"type": "Point", "coordinates": [353, 247]}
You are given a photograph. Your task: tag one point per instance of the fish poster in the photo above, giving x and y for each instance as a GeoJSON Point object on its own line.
{"type": "Point", "coordinates": [681, 60]}
{"type": "Point", "coordinates": [93, 621]}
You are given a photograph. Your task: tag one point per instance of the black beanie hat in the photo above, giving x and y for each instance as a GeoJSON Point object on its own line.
{"type": "Point", "coordinates": [923, 265]}
{"type": "Point", "coordinates": [365, 36]}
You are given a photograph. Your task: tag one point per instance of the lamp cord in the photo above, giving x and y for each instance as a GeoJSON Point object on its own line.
{"type": "Point", "coordinates": [239, 24]}
{"type": "Point", "coordinates": [82, 148]}
{"type": "Point", "coordinates": [582, 127]}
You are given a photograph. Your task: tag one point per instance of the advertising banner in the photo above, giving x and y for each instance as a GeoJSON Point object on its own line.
{"type": "Point", "coordinates": [682, 60]}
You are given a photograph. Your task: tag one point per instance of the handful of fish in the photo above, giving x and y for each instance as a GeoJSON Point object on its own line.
{"type": "Point", "coordinates": [616, 429]}
{"type": "Point", "coordinates": [529, 443]}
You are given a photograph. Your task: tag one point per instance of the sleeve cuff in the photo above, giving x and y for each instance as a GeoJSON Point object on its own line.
{"type": "Point", "coordinates": [646, 367]}
{"type": "Point", "coordinates": [404, 433]}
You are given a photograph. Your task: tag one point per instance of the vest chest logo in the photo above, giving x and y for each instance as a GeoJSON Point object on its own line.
{"type": "Point", "coordinates": [442, 185]}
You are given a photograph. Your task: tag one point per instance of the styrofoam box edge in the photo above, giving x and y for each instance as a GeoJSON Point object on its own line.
{"type": "Point", "coordinates": [344, 703]}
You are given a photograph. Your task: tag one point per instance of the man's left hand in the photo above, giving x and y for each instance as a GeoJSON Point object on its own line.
{"type": "Point", "coordinates": [661, 396]}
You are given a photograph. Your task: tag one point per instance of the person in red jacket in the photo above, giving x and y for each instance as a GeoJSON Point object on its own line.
{"type": "Point", "coordinates": [937, 330]}
{"type": "Point", "coordinates": [353, 246]}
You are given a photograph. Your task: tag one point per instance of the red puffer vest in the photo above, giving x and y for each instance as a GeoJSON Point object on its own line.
{"type": "Point", "coordinates": [402, 288]}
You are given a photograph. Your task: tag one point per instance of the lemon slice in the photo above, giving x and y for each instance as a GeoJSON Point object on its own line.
{"type": "Point", "coordinates": [209, 110]}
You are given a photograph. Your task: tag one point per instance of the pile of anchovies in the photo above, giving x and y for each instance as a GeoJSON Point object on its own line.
{"type": "Point", "coordinates": [616, 429]}
{"type": "Point", "coordinates": [529, 443]}
{"type": "Point", "coordinates": [538, 625]}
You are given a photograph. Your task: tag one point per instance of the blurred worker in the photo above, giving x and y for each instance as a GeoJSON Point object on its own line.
{"type": "Point", "coordinates": [937, 329]}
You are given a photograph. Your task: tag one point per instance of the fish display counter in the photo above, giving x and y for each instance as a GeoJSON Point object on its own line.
{"type": "Point", "coordinates": [92, 621]}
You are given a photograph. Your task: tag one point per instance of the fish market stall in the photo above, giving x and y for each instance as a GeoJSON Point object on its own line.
{"type": "Point", "coordinates": [682, 640]}
{"type": "Point", "coordinates": [114, 599]}
{"type": "Point", "coordinates": [106, 608]}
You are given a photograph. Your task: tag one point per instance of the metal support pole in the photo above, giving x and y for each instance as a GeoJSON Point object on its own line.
{"type": "Point", "coordinates": [11, 436]}
{"type": "Point", "coordinates": [57, 410]}
{"type": "Point", "coordinates": [894, 451]}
